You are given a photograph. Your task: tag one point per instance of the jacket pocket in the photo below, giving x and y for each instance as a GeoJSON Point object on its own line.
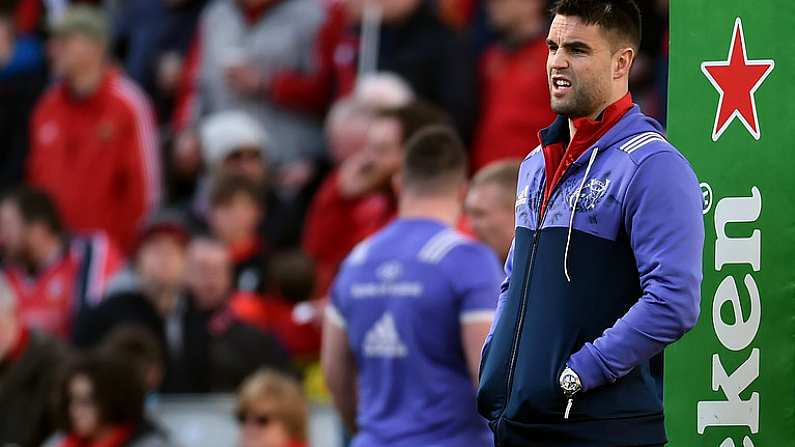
{"type": "Point", "coordinates": [536, 394]}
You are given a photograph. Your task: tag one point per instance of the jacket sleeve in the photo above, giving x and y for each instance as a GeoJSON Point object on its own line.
{"type": "Point", "coordinates": [663, 218]}
{"type": "Point", "coordinates": [503, 296]}
{"type": "Point", "coordinates": [311, 92]}
{"type": "Point", "coordinates": [140, 167]}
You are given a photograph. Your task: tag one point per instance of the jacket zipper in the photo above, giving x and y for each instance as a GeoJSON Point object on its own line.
{"type": "Point", "coordinates": [541, 217]}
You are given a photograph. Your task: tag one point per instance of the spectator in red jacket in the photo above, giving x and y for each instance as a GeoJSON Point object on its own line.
{"type": "Point", "coordinates": [281, 309]}
{"type": "Point", "coordinates": [514, 94]}
{"type": "Point", "coordinates": [359, 200]}
{"type": "Point", "coordinates": [94, 144]}
{"type": "Point", "coordinates": [55, 276]}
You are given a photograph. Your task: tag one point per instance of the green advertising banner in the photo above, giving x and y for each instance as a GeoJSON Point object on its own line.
{"type": "Point", "coordinates": [731, 381]}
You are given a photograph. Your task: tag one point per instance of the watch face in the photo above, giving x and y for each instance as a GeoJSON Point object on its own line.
{"type": "Point", "coordinates": [568, 382]}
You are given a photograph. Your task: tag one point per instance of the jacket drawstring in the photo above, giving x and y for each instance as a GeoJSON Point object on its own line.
{"type": "Point", "coordinates": [574, 210]}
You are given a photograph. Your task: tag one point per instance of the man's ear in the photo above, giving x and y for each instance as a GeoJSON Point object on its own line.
{"type": "Point", "coordinates": [622, 62]}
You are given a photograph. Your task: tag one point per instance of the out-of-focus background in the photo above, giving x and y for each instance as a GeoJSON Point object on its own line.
{"type": "Point", "coordinates": [181, 180]}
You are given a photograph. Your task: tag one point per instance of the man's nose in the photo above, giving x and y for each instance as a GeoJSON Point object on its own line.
{"type": "Point", "coordinates": [558, 60]}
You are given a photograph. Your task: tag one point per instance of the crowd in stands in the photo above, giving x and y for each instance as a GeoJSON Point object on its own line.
{"type": "Point", "coordinates": [180, 181]}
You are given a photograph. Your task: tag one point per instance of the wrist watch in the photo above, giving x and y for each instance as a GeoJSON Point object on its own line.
{"type": "Point", "coordinates": [570, 382]}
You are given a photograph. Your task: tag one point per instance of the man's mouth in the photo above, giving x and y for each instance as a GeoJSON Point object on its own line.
{"type": "Point", "coordinates": [560, 85]}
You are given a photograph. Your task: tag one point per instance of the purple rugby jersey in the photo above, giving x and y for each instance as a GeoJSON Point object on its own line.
{"type": "Point", "coordinates": [402, 297]}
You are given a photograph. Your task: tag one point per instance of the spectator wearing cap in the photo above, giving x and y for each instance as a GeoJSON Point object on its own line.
{"type": "Point", "coordinates": [55, 274]}
{"type": "Point", "coordinates": [510, 118]}
{"type": "Point", "coordinates": [240, 45]}
{"type": "Point", "coordinates": [156, 302]}
{"type": "Point", "coordinates": [29, 361]}
{"type": "Point", "coordinates": [272, 411]}
{"type": "Point", "coordinates": [234, 143]}
{"type": "Point", "coordinates": [490, 205]}
{"type": "Point", "coordinates": [94, 144]}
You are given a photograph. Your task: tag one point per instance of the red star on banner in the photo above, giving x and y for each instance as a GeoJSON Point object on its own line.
{"type": "Point", "coordinates": [737, 79]}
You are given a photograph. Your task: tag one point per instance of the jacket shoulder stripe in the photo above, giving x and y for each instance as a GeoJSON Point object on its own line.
{"type": "Point", "coordinates": [629, 147]}
{"type": "Point", "coordinates": [644, 143]}
{"type": "Point", "coordinates": [637, 138]}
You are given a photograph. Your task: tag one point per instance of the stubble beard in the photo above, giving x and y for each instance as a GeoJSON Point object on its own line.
{"type": "Point", "coordinates": [581, 103]}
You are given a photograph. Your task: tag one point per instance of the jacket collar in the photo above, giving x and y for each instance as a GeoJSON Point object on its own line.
{"type": "Point", "coordinates": [587, 128]}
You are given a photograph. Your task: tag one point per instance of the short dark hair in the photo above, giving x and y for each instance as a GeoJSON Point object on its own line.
{"type": "Point", "coordinates": [435, 158]}
{"type": "Point", "coordinates": [414, 116]}
{"type": "Point", "coordinates": [226, 187]}
{"type": "Point", "coordinates": [36, 206]}
{"type": "Point", "coordinates": [136, 343]}
{"type": "Point", "coordinates": [291, 274]}
{"type": "Point", "coordinates": [621, 17]}
{"type": "Point", "coordinates": [118, 395]}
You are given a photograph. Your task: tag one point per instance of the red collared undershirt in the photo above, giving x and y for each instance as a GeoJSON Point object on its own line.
{"type": "Point", "coordinates": [558, 158]}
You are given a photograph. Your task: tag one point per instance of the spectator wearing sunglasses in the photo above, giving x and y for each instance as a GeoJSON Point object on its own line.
{"type": "Point", "coordinates": [271, 411]}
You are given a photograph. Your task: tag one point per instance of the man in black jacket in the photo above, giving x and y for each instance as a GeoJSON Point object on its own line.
{"type": "Point", "coordinates": [205, 348]}
{"type": "Point", "coordinates": [435, 61]}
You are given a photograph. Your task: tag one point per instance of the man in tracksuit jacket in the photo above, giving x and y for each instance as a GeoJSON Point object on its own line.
{"type": "Point", "coordinates": [605, 266]}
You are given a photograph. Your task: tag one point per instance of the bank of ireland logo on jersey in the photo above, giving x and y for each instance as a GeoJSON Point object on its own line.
{"type": "Point", "coordinates": [382, 340]}
{"type": "Point", "coordinates": [737, 79]}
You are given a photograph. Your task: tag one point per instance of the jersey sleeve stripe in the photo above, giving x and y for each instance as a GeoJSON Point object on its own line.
{"type": "Point", "coordinates": [477, 316]}
{"type": "Point", "coordinates": [440, 245]}
{"type": "Point", "coordinates": [147, 136]}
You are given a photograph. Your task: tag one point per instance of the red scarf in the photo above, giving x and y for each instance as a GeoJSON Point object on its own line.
{"type": "Point", "coordinates": [118, 437]}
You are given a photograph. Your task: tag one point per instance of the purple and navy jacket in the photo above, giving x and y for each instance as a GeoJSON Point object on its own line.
{"type": "Point", "coordinates": [601, 281]}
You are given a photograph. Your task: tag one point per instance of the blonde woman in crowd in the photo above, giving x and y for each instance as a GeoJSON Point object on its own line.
{"type": "Point", "coordinates": [272, 411]}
